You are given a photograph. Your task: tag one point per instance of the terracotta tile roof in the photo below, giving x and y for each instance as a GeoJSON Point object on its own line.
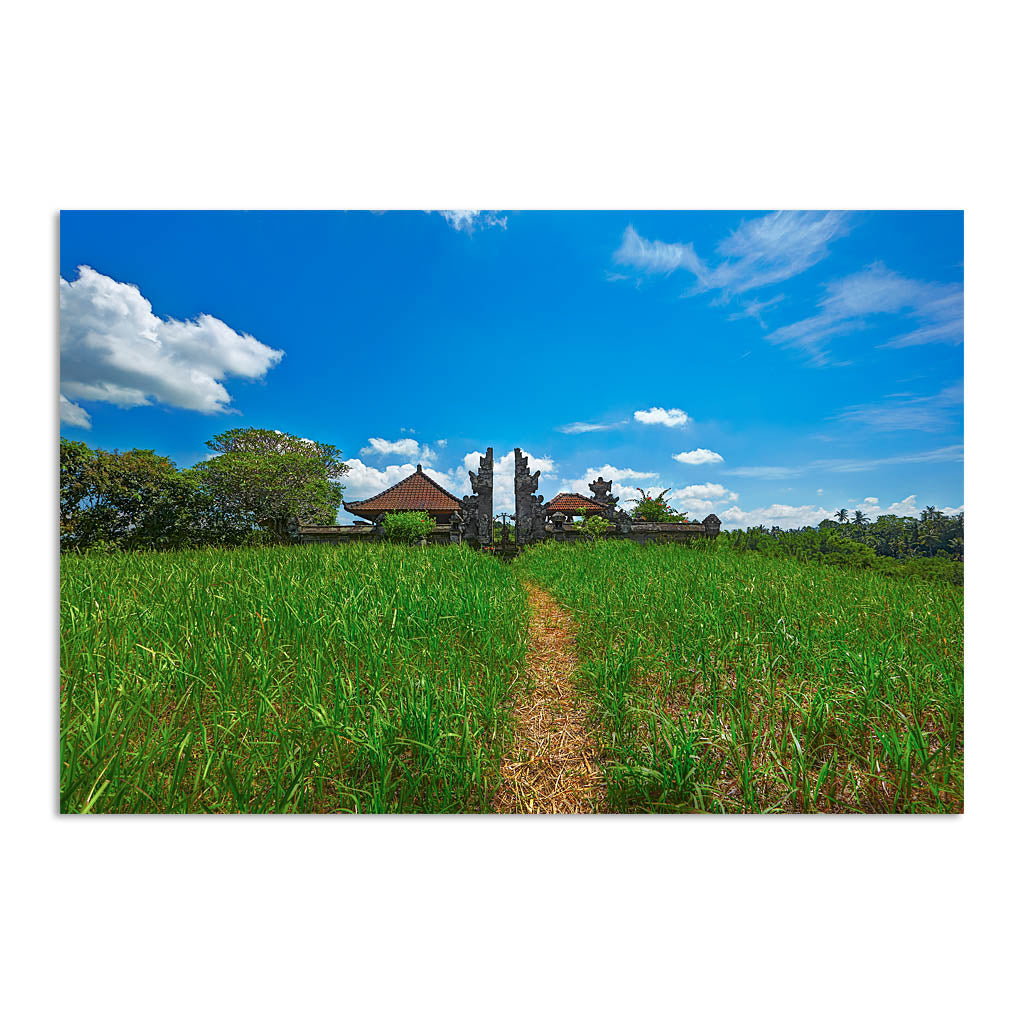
{"type": "Point", "coordinates": [572, 503]}
{"type": "Point", "coordinates": [414, 492]}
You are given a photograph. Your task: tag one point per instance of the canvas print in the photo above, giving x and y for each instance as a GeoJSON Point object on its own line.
{"type": "Point", "coordinates": [511, 512]}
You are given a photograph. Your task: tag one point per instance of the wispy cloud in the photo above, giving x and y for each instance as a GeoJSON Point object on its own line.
{"type": "Point", "coordinates": [900, 412]}
{"type": "Point", "coordinates": [469, 221]}
{"type": "Point", "coordinates": [664, 417]}
{"type": "Point", "coordinates": [759, 252]}
{"type": "Point", "coordinates": [697, 457]}
{"type": "Point", "coordinates": [586, 428]}
{"type": "Point", "coordinates": [949, 453]}
{"type": "Point", "coordinates": [753, 309]}
{"type": "Point", "coordinates": [653, 257]}
{"type": "Point", "coordinates": [856, 302]}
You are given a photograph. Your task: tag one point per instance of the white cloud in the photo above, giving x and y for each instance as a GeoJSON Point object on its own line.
{"type": "Point", "coordinates": [379, 446]}
{"type": "Point", "coordinates": [787, 517]}
{"type": "Point", "coordinates": [442, 442]}
{"type": "Point", "coordinates": [656, 257]}
{"type": "Point", "coordinates": [853, 302]}
{"type": "Point", "coordinates": [115, 349]}
{"type": "Point", "coordinates": [870, 501]}
{"type": "Point", "coordinates": [758, 253]}
{"type": "Point", "coordinates": [706, 492]}
{"type": "Point", "coordinates": [586, 428]}
{"type": "Point", "coordinates": [697, 457]}
{"type": "Point", "coordinates": [765, 472]}
{"type": "Point", "coordinates": [909, 507]}
{"type": "Point", "coordinates": [469, 220]}
{"type": "Point", "coordinates": [74, 415]}
{"type": "Point", "coordinates": [666, 417]}
{"type": "Point", "coordinates": [623, 479]}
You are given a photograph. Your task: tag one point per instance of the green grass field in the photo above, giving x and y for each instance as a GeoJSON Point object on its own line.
{"type": "Point", "coordinates": [733, 682]}
{"type": "Point", "coordinates": [286, 679]}
{"type": "Point", "coordinates": [378, 678]}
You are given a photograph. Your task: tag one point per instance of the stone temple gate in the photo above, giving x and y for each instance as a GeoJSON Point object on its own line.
{"type": "Point", "coordinates": [471, 519]}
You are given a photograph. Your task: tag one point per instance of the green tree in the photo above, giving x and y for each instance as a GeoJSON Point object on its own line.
{"type": "Point", "coordinates": [843, 515]}
{"type": "Point", "coordinates": [261, 478]}
{"type": "Point", "coordinates": [859, 518]}
{"type": "Point", "coordinates": [132, 499]}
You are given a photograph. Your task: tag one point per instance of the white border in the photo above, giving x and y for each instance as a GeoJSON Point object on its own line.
{"type": "Point", "coordinates": [595, 105]}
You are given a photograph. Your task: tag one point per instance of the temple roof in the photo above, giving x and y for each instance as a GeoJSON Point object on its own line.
{"type": "Point", "coordinates": [572, 503]}
{"type": "Point", "coordinates": [416, 492]}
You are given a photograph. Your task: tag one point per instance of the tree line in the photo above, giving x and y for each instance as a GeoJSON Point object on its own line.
{"type": "Point", "coordinates": [243, 493]}
{"type": "Point", "coordinates": [931, 545]}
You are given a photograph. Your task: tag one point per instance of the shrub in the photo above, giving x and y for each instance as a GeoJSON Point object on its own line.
{"type": "Point", "coordinates": [407, 527]}
{"type": "Point", "coordinates": [592, 527]}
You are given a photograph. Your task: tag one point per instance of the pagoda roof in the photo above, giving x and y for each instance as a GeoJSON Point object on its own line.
{"type": "Point", "coordinates": [572, 503]}
{"type": "Point", "coordinates": [416, 492]}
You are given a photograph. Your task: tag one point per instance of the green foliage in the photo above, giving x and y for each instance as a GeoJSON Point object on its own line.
{"type": "Point", "coordinates": [651, 509]}
{"type": "Point", "coordinates": [592, 527]}
{"type": "Point", "coordinates": [407, 527]}
{"type": "Point", "coordinates": [263, 477]}
{"type": "Point", "coordinates": [140, 500]}
{"type": "Point", "coordinates": [726, 681]}
{"type": "Point", "coordinates": [356, 678]}
{"type": "Point", "coordinates": [931, 547]}
{"type": "Point", "coordinates": [131, 500]}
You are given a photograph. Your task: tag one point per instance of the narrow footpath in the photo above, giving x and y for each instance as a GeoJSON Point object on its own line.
{"type": "Point", "coordinates": [552, 766]}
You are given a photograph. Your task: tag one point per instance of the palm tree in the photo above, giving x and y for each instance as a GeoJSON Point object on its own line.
{"type": "Point", "coordinates": [928, 513]}
{"type": "Point", "coordinates": [859, 518]}
{"type": "Point", "coordinates": [842, 515]}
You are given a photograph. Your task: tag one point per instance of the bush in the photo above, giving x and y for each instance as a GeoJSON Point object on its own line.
{"type": "Point", "coordinates": [592, 527]}
{"type": "Point", "coordinates": [407, 527]}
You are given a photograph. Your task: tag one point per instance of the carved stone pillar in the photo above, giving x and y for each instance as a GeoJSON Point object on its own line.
{"type": "Point", "coordinates": [483, 488]}
{"type": "Point", "coordinates": [529, 518]}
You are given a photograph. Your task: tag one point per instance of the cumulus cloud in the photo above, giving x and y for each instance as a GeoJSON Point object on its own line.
{"type": "Point", "coordinates": [697, 457]}
{"type": "Point", "coordinates": [379, 446]}
{"type": "Point", "coordinates": [787, 517]}
{"type": "Point", "coordinates": [666, 417]}
{"type": "Point", "coordinates": [115, 349]}
{"type": "Point", "coordinates": [74, 415]}
{"type": "Point", "coordinates": [622, 478]}
{"type": "Point", "coordinates": [469, 220]}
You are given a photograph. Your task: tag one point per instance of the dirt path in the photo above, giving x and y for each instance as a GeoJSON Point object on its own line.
{"type": "Point", "coordinates": [552, 766]}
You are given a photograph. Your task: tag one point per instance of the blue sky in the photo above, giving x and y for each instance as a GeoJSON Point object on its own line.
{"type": "Point", "coordinates": [770, 367]}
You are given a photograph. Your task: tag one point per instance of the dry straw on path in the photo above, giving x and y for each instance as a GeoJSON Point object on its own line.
{"type": "Point", "coordinates": [552, 767]}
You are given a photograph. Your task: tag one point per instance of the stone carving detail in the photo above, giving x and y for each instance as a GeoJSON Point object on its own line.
{"type": "Point", "coordinates": [529, 517]}
{"type": "Point", "coordinates": [602, 492]}
{"type": "Point", "coordinates": [712, 525]}
{"type": "Point", "coordinates": [478, 508]}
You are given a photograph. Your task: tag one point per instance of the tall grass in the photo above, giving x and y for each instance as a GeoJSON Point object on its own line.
{"type": "Point", "coordinates": [350, 678]}
{"type": "Point", "coordinates": [732, 682]}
